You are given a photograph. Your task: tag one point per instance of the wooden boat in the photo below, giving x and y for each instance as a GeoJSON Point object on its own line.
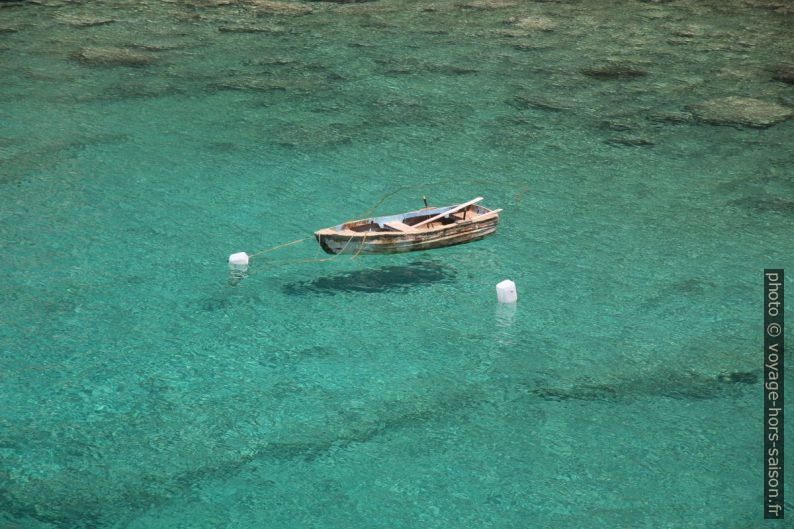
{"type": "Point", "coordinates": [424, 229]}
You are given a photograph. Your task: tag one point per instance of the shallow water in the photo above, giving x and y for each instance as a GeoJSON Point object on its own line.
{"type": "Point", "coordinates": [143, 142]}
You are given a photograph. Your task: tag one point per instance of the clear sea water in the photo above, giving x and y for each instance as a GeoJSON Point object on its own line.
{"type": "Point", "coordinates": [142, 142]}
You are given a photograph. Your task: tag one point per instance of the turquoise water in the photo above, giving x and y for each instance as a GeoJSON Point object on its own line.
{"type": "Point", "coordinates": [140, 147]}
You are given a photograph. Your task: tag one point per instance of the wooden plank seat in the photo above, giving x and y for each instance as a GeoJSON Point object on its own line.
{"type": "Point", "coordinates": [398, 225]}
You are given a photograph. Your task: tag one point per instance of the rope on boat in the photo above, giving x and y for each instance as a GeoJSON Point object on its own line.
{"type": "Point", "coordinates": [360, 246]}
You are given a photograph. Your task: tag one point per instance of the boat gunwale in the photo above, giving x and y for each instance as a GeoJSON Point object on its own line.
{"type": "Point", "coordinates": [338, 230]}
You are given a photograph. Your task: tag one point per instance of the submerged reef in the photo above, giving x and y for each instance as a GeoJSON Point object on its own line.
{"type": "Point", "coordinates": [112, 56]}
{"type": "Point", "coordinates": [745, 111]}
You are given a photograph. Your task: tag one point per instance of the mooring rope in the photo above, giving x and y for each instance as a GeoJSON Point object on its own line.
{"type": "Point", "coordinates": [266, 250]}
{"type": "Point", "coordinates": [284, 262]}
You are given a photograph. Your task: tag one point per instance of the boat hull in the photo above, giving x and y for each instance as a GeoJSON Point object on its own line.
{"type": "Point", "coordinates": [347, 242]}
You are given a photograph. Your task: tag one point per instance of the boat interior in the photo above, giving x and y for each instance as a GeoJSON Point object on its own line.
{"type": "Point", "coordinates": [407, 221]}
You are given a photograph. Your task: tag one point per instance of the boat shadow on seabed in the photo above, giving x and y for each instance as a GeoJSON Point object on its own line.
{"type": "Point", "coordinates": [393, 278]}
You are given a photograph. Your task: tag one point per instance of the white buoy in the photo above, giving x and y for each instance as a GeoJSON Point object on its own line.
{"type": "Point", "coordinates": [238, 262]}
{"type": "Point", "coordinates": [506, 292]}
{"type": "Point", "coordinates": [238, 267]}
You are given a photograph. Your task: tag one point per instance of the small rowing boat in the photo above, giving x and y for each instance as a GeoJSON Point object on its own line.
{"type": "Point", "coordinates": [423, 229]}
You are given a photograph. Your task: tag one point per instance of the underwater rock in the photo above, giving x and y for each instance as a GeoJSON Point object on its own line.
{"type": "Point", "coordinates": [189, 17]}
{"type": "Point", "coordinates": [630, 141]}
{"type": "Point", "coordinates": [766, 203]}
{"type": "Point", "coordinates": [616, 125]}
{"type": "Point", "coordinates": [414, 66]}
{"type": "Point", "coordinates": [685, 33]}
{"type": "Point", "coordinates": [271, 61]}
{"type": "Point", "coordinates": [531, 46]}
{"type": "Point", "coordinates": [141, 89]}
{"type": "Point", "coordinates": [533, 23]}
{"type": "Point", "coordinates": [738, 378]}
{"type": "Point", "coordinates": [771, 5]}
{"type": "Point", "coordinates": [210, 3]}
{"type": "Point", "coordinates": [396, 67]}
{"type": "Point", "coordinates": [84, 21]}
{"type": "Point", "coordinates": [50, 3]}
{"type": "Point", "coordinates": [221, 146]}
{"type": "Point", "coordinates": [675, 118]}
{"type": "Point", "coordinates": [692, 286]}
{"type": "Point", "coordinates": [250, 29]}
{"type": "Point", "coordinates": [150, 46]}
{"type": "Point", "coordinates": [509, 133]}
{"type": "Point", "coordinates": [614, 72]}
{"type": "Point", "coordinates": [449, 69]}
{"type": "Point", "coordinates": [111, 56]}
{"type": "Point", "coordinates": [280, 8]}
{"type": "Point", "coordinates": [512, 33]}
{"type": "Point", "coordinates": [785, 75]}
{"type": "Point", "coordinates": [247, 85]}
{"type": "Point", "coordinates": [46, 155]}
{"type": "Point", "coordinates": [487, 4]}
{"type": "Point", "coordinates": [376, 23]}
{"type": "Point", "coordinates": [526, 102]}
{"type": "Point", "coordinates": [515, 139]}
{"type": "Point", "coordinates": [744, 111]}
{"type": "Point", "coordinates": [299, 83]}
{"type": "Point", "coordinates": [303, 136]}
{"type": "Point", "coordinates": [399, 111]}
{"type": "Point", "coordinates": [690, 386]}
